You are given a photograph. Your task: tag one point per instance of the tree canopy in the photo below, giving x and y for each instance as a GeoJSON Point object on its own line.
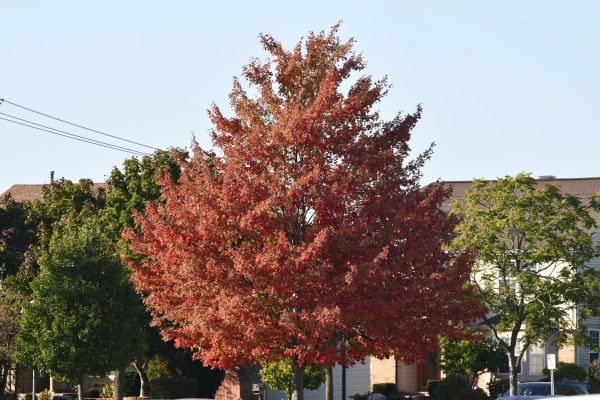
{"type": "Point", "coordinates": [306, 236]}
{"type": "Point", "coordinates": [72, 325]}
{"type": "Point", "coordinates": [532, 244]}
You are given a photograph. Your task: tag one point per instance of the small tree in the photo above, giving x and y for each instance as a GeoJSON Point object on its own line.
{"type": "Point", "coordinates": [71, 327]}
{"type": "Point", "coordinates": [278, 375]}
{"type": "Point", "coordinates": [470, 358]}
{"type": "Point", "coordinates": [531, 244]}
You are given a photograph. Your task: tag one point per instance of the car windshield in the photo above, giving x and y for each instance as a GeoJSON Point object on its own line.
{"type": "Point", "coordinates": [533, 390]}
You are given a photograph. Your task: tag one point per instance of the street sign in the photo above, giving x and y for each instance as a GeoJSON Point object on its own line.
{"type": "Point", "coordinates": [551, 361]}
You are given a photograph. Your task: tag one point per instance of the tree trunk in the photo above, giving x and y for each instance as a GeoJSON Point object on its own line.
{"type": "Point", "coordinates": [80, 389]}
{"type": "Point", "coordinates": [512, 369]}
{"type": "Point", "coordinates": [344, 382]}
{"type": "Point", "coordinates": [119, 384]}
{"type": "Point", "coordinates": [144, 384]}
{"type": "Point", "coordinates": [329, 384]}
{"type": "Point", "coordinates": [5, 366]}
{"type": "Point", "coordinates": [297, 380]}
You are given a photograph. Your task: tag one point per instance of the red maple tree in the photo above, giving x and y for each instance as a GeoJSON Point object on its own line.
{"type": "Point", "coordinates": [307, 237]}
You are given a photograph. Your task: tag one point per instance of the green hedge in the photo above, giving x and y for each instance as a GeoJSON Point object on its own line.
{"type": "Point", "coordinates": [386, 389]}
{"type": "Point", "coordinates": [447, 388]}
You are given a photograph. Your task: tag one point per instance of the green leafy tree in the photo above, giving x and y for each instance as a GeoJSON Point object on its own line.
{"type": "Point", "coordinates": [73, 325]}
{"type": "Point", "coordinates": [470, 358]}
{"type": "Point", "coordinates": [17, 268]}
{"type": "Point", "coordinates": [531, 245]}
{"type": "Point", "coordinates": [278, 375]}
{"type": "Point", "coordinates": [128, 190]}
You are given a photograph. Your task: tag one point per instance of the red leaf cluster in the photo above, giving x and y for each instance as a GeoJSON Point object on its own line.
{"type": "Point", "coordinates": [308, 235]}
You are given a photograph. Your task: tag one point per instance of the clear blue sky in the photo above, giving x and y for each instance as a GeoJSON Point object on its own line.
{"type": "Point", "coordinates": [506, 86]}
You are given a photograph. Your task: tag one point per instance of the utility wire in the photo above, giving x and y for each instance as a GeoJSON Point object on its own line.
{"type": "Point", "coordinates": [73, 134]}
{"type": "Point", "coordinates": [79, 126]}
{"type": "Point", "coordinates": [76, 137]}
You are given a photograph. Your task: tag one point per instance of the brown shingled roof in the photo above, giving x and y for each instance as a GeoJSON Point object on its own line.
{"type": "Point", "coordinates": [33, 191]}
{"type": "Point", "coordinates": [584, 188]}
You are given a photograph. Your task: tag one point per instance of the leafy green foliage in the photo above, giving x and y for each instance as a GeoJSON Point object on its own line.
{"type": "Point", "coordinates": [470, 358]}
{"type": "Point", "coordinates": [531, 244]}
{"type": "Point", "coordinates": [77, 304]}
{"type": "Point", "coordinates": [593, 377]}
{"type": "Point", "coordinates": [447, 388]}
{"type": "Point", "coordinates": [567, 372]}
{"type": "Point", "coordinates": [174, 387]}
{"type": "Point", "coordinates": [431, 386]}
{"type": "Point", "coordinates": [497, 386]}
{"type": "Point", "coordinates": [17, 236]}
{"type": "Point", "coordinates": [158, 367]}
{"type": "Point", "coordinates": [278, 375]}
{"type": "Point", "coordinates": [386, 388]}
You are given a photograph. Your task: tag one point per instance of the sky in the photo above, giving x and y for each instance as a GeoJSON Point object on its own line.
{"type": "Point", "coordinates": [506, 87]}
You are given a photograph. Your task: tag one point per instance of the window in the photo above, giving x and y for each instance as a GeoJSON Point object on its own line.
{"type": "Point", "coordinates": [595, 336]}
{"type": "Point", "coordinates": [504, 369]}
{"type": "Point", "coordinates": [536, 359]}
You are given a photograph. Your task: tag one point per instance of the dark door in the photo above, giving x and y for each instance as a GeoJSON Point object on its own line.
{"type": "Point", "coordinates": [426, 370]}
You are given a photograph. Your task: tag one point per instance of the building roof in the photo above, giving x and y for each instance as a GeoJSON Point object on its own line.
{"type": "Point", "coordinates": [25, 192]}
{"type": "Point", "coordinates": [584, 188]}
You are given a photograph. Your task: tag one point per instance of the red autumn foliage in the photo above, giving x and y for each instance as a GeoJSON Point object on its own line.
{"type": "Point", "coordinates": [308, 231]}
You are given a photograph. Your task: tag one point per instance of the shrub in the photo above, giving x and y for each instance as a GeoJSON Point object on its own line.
{"type": "Point", "coordinates": [360, 396]}
{"type": "Point", "coordinates": [174, 387]}
{"type": "Point", "coordinates": [131, 383]}
{"type": "Point", "coordinates": [471, 394]}
{"type": "Point", "coordinates": [567, 372]}
{"type": "Point", "coordinates": [44, 395]}
{"type": "Point", "coordinates": [593, 377]}
{"type": "Point", "coordinates": [447, 388]}
{"type": "Point", "coordinates": [397, 396]}
{"type": "Point", "coordinates": [497, 386]}
{"type": "Point", "coordinates": [107, 391]}
{"type": "Point", "coordinates": [385, 388]}
{"type": "Point", "coordinates": [431, 385]}
{"type": "Point", "coordinates": [93, 393]}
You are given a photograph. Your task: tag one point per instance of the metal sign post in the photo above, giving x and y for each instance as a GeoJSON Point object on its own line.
{"type": "Point", "coordinates": [551, 365]}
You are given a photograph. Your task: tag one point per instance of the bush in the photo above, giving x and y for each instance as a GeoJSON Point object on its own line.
{"type": "Point", "coordinates": [593, 377]}
{"type": "Point", "coordinates": [131, 383]}
{"type": "Point", "coordinates": [360, 396]}
{"type": "Point", "coordinates": [44, 395]}
{"type": "Point", "coordinates": [497, 386]}
{"type": "Point", "coordinates": [471, 394]}
{"type": "Point", "coordinates": [108, 391]}
{"type": "Point", "coordinates": [174, 387]}
{"type": "Point", "coordinates": [567, 372]}
{"type": "Point", "coordinates": [94, 394]}
{"type": "Point", "coordinates": [431, 385]}
{"type": "Point", "coordinates": [397, 396]}
{"type": "Point", "coordinates": [385, 388]}
{"type": "Point", "coordinates": [447, 388]}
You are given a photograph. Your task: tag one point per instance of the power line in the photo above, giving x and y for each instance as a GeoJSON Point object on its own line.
{"type": "Point", "coordinates": [77, 125]}
{"type": "Point", "coordinates": [76, 137]}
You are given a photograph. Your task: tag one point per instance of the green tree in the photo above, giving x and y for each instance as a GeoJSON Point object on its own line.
{"type": "Point", "coordinates": [73, 324]}
{"type": "Point", "coordinates": [17, 268]}
{"type": "Point", "coordinates": [278, 375]}
{"type": "Point", "coordinates": [128, 190]}
{"type": "Point", "coordinates": [531, 245]}
{"type": "Point", "coordinates": [470, 358]}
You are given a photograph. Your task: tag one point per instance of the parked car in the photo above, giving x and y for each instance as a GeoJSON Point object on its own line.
{"type": "Point", "coordinates": [537, 390]}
